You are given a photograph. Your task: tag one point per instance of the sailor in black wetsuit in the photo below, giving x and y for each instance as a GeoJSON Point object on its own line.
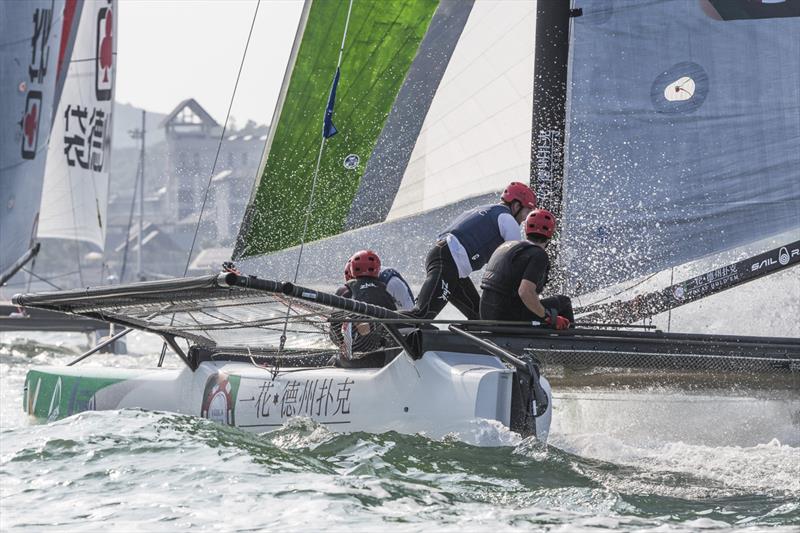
{"type": "Point", "coordinates": [360, 343]}
{"type": "Point", "coordinates": [465, 246]}
{"type": "Point", "coordinates": [517, 273]}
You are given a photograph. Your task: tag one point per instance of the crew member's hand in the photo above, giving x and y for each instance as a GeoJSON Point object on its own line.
{"type": "Point", "coordinates": [556, 321]}
{"type": "Point", "coordinates": [229, 266]}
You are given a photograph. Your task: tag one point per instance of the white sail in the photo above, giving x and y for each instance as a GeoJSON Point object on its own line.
{"type": "Point", "coordinates": [75, 192]}
{"type": "Point", "coordinates": [477, 134]}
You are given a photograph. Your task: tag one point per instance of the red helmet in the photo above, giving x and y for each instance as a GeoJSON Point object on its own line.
{"type": "Point", "coordinates": [365, 263]}
{"type": "Point", "coordinates": [348, 274]}
{"type": "Point", "coordinates": [521, 193]}
{"type": "Point", "coordinates": [540, 222]}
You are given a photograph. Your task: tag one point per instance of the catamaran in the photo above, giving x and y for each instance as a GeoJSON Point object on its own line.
{"type": "Point", "coordinates": [645, 152]}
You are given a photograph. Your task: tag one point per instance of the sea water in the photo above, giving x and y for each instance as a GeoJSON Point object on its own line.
{"type": "Point", "coordinates": [133, 470]}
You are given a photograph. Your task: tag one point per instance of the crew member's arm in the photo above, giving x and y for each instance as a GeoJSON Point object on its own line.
{"type": "Point", "coordinates": [401, 294]}
{"type": "Point", "coordinates": [335, 332]}
{"type": "Point", "coordinates": [529, 296]}
{"type": "Point", "coordinates": [363, 328]}
{"type": "Point", "coordinates": [509, 228]}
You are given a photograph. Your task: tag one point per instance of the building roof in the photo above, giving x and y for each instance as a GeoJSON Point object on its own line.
{"type": "Point", "coordinates": [198, 110]}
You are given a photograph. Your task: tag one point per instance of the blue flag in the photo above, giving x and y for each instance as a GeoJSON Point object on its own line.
{"type": "Point", "coordinates": [328, 129]}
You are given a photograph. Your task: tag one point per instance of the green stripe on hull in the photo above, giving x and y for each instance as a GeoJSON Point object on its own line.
{"type": "Point", "coordinates": [382, 41]}
{"type": "Point", "coordinates": [52, 395]}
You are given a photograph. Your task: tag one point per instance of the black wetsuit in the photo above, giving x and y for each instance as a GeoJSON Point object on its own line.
{"type": "Point", "coordinates": [371, 291]}
{"type": "Point", "coordinates": [509, 265]}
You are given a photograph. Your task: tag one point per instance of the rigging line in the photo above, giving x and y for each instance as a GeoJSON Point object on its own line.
{"type": "Point", "coordinates": [626, 289]}
{"type": "Point", "coordinates": [216, 158]}
{"type": "Point", "coordinates": [669, 315]}
{"type": "Point", "coordinates": [221, 139]}
{"type": "Point", "coordinates": [311, 197]}
{"type": "Point", "coordinates": [32, 275]}
{"type": "Point", "coordinates": [130, 222]}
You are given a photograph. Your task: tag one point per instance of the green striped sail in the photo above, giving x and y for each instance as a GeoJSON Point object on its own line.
{"type": "Point", "coordinates": [382, 40]}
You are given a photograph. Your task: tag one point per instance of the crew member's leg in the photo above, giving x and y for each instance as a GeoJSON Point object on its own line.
{"type": "Point", "coordinates": [466, 298]}
{"type": "Point", "coordinates": [435, 291]}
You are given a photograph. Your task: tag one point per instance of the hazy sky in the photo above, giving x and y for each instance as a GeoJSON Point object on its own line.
{"type": "Point", "coordinates": [169, 50]}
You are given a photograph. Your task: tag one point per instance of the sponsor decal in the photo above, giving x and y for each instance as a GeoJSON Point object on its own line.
{"type": "Point", "coordinates": [367, 285]}
{"type": "Point", "coordinates": [710, 281]}
{"type": "Point", "coordinates": [679, 293]}
{"type": "Point", "coordinates": [445, 291]}
{"type": "Point", "coordinates": [84, 137]}
{"type": "Point", "coordinates": [317, 398]}
{"type": "Point", "coordinates": [351, 162]}
{"type": "Point", "coordinates": [549, 160]}
{"type": "Point", "coordinates": [682, 88]}
{"type": "Point", "coordinates": [31, 400]}
{"type": "Point", "coordinates": [37, 72]}
{"type": "Point", "coordinates": [785, 255]}
{"type": "Point", "coordinates": [40, 46]}
{"type": "Point", "coordinates": [30, 124]}
{"type": "Point", "coordinates": [55, 402]}
{"type": "Point", "coordinates": [218, 399]}
{"type": "Point", "coordinates": [104, 63]}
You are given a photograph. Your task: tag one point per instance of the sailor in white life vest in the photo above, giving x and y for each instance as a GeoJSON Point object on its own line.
{"type": "Point", "coordinates": [398, 288]}
{"type": "Point", "coordinates": [465, 246]}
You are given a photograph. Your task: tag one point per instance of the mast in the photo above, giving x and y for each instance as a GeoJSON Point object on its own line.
{"type": "Point", "coordinates": [551, 59]}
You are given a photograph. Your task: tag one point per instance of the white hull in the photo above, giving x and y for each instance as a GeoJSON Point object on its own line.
{"type": "Point", "coordinates": [435, 395]}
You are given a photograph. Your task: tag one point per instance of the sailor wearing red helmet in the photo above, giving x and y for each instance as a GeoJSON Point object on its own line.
{"type": "Point", "coordinates": [397, 287]}
{"type": "Point", "coordinates": [517, 273]}
{"type": "Point", "coordinates": [465, 246]}
{"type": "Point", "coordinates": [360, 343]}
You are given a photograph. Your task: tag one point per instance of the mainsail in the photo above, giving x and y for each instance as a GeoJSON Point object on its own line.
{"type": "Point", "coordinates": [31, 51]}
{"type": "Point", "coordinates": [662, 132]}
{"type": "Point", "coordinates": [75, 192]}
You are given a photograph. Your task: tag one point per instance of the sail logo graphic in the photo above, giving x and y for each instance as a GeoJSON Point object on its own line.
{"type": "Point", "coordinates": [785, 256]}
{"type": "Point", "coordinates": [217, 400]}
{"type": "Point", "coordinates": [37, 72]}
{"type": "Point", "coordinates": [104, 56]}
{"type": "Point", "coordinates": [55, 403]}
{"type": "Point", "coordinates": [680, 89]}
{"type": "Point", "coordinates": [30, 124]}
{"type": "Point", "coordinates": [351, 162]}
